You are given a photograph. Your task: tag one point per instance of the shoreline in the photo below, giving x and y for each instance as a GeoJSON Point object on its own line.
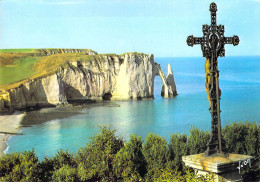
{"type": "Point", "coordinates": [9, 126]}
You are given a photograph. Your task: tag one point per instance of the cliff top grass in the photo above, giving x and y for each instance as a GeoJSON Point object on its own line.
{"type": "Point", "coordinates": [46, 50]}
{"type": "Point", "coordinates": [18, 66]}
{"type": "Point", "coordinates": [18, 50]}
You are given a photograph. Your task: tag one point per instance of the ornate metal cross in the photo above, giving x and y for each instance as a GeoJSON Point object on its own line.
{"type": "Point", "coordinates": [212, 46]}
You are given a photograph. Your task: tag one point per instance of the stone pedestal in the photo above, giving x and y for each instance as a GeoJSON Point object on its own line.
{"type": "Point", "coordinates": [224, 168]}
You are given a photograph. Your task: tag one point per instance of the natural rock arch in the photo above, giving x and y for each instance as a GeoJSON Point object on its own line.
{"type": "Point", "coordinates": [168, 83]}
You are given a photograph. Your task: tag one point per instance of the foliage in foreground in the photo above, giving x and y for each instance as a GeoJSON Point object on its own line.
{"type": "Point", "coordinates": [108, 158]}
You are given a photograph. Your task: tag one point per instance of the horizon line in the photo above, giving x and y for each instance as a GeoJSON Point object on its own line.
{"type": "Point", "coordinates": [131, 51]}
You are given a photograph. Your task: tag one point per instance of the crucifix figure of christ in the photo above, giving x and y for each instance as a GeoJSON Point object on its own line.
{"type": "Point", "coordinates": [212, 46]}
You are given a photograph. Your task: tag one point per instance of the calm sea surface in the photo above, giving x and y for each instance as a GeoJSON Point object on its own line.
{"type": "Point", "coordinates": [240, 101]}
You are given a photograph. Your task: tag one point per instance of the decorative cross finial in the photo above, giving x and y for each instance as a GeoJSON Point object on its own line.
{"type": "Point", "coordinates": [213, 39]}
{"type": "Point", "coordinates": [212, 46]}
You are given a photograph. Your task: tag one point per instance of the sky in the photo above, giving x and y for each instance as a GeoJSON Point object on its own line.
{"type": "Point", "coordinates": [158, 27]}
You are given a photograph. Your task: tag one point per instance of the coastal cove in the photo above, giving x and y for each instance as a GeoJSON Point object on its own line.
{"type": "Point", "coordinates": [239, 82]}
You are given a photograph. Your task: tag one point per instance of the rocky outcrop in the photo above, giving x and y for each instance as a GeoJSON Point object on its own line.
{"type": "Point", "coordinates": [123, 77]}
{"type": "Point", "coordinates": [48, 52]}
{"type": "Point", "coordinates": [40, 92]}
{"type": "Point", "coordinates": [5, 103]}
{"type": "Point", "coordinates": [169, 86]}
{"type": "Point", "coordinates": [108, 77]}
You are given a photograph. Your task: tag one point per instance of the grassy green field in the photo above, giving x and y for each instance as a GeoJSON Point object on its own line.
{"type": "Point", "coordinates": [19, 65]}
{"type": "Point", "coordinates": [18, 50]}
{"type": "Point", "coordinates": [21, 69]}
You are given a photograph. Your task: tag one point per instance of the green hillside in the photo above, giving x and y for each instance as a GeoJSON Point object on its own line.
{"type": "Point", "coordinates": [18, 50]}
{"type": "Point", "coordinates": [19, 69]}
{"type": "Point", "coordinates": [19, 65]}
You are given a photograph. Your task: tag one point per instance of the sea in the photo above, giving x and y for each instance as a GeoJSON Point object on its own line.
{"type": "Point", "coordinates": [50, 129]}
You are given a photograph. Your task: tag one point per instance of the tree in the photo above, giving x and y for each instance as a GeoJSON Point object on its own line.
{"type": "Point", "coordinates": [95, 160]}
{"type": "Point", "coordinates": [130, 163]}
{"type": "Point", "coordinates": [19, 167]}
{"type": "Point", "coordinates": [178, 148]}
{"type": "Point", "coordinates": [156, 153]}
{"type": "Point", "coordinates": [197, 141]}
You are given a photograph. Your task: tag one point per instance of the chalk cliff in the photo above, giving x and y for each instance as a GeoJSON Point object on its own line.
{"type": "Point", "coordinates": [169, 89]}
{"type": "Point", "coordinates": [109, 77]}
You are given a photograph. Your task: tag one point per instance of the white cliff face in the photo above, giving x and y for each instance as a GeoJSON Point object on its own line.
{"type": "Point", "coordinates": [89, 80]}
{"type": "Point", "coordinates": [42, 92]}
{"type": "Point", "coordinates": [171, 82]}
{"type": "Point", "coordinates": [135, 79]}
{"type": "Point", "coordinates": [169, 89]}
{"type": "Point", "coordinates": [126, 77]}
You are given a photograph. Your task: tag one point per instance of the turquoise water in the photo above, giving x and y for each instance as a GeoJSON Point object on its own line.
{"type": "Point", "coordinates": [240, 101]}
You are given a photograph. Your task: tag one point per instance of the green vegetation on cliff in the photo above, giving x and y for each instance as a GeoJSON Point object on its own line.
{"type": "Point", "coordinates": [17, 66]}
{"type": "Point", "coordinates": [19, 69]}
{"type": "Point", "coordinates": [18, 50]}
{"type": "Point", "coordinates": [109, 158]}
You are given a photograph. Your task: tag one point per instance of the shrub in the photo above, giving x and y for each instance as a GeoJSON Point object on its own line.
{"type": "Point", "coordinates": [178, 148]}
{"type": "Point", "coordinates": [63, 158]}
{"type": "Point", "coordinates": [130, 163]}
{"type": "Point", "coordinates": [106, 158]}
{"type": "Point", "coordinates": [65, 173]}
{"type": "Point", "coordinates": [49, 165]}
{"type": "Point", "coordinates": [197, 141]}
{"type": "Point", "coordinates": [242, 138]}
{"type": "Point", "coordinates": [95, 160]}
{"type": "Point", "coordinates": [156, 154]}
{"type": "Point", "coordinates": [22, 167]}
{"type": "Point", "coordinates": [187, 175]}
{"type": "Point", "coordinates": [7, 163]}
{"type": "Point", "coordinates": [45, 169]}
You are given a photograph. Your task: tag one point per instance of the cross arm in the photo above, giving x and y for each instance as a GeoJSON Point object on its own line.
{"type": "Point", "coordinates": [231, 40]}
{"type": "Point", "coordinates": [194, 40]}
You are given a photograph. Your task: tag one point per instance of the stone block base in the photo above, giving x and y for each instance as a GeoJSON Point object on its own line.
{"type": "Point", "coordinates": [224, 168]}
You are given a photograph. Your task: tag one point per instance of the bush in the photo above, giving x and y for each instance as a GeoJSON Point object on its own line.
{"type": "Point", "coordinates": [197, 141]}
{"type": "Point", "coordinates": [178, 148]}
{"type": "Point", "coordinates": [188, 175]}
{"type": "Point", "coordinates": [106, 158]}
{"type": "Point", "coordinates": [130, 163]}
{"type": "Point", "coordinates": [46, 169]}
{"type": "Point", "coordinates": [156, 154]}
{"type": "Point", "coordinates": [48, 166]}
{"type": "Point", "coordinates": [7, 163]}
{"type": "Point", "coordinates": [65, 173]}
{"type": "Point", "coordinates": [242, 138]}
{"type": "Point", "coordinates": [63, 158]}
{"type": "Point", "coordinates": [95, 160]}
{"type": "Point", "coordinates": [20, 167]}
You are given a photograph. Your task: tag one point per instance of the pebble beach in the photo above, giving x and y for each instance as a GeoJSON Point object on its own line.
{"type": "Point", "coordinates": [9, 125]}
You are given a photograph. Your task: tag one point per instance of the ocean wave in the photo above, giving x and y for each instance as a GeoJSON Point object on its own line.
{"type": "Point", "coordinates": [6, 150]}
{"type": "Point", "coordinates": [7, 143]}
{"type": "Point", "coordinates": [52, 121]}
